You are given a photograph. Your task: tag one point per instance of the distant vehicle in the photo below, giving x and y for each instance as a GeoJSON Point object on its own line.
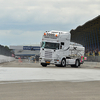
{"type": "Point", "coordinates": [56, 49]}
{"type": "Point", "coordinates": [16, 57]}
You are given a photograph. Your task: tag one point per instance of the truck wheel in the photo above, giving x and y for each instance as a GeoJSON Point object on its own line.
{"type": "Point", "coordinates": [63, 63]}
{"type": "Point", "coordinates": [43, 64]}
{"type": "Point", "coordinates": [77, 63]}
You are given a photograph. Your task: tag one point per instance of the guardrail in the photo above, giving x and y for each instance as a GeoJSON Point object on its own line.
{"type": "Point", "coordinates": [93, 58]}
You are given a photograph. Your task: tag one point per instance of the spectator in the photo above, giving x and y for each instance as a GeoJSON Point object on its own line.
{"type": "Point", "coordinates": [96, 52]}
{"type": "Point", "coordinates": [90, 53]}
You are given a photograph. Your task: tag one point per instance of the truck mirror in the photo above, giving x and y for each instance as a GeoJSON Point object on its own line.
{"type": "Point", "coordinates": [62, 43]}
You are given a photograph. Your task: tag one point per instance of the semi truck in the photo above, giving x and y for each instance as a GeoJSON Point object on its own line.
{"type": "Point", "coordinates": [57, 49]}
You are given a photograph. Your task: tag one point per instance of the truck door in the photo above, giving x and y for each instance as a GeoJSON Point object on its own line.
{"type": "Point", "coordinates": [61, 49]}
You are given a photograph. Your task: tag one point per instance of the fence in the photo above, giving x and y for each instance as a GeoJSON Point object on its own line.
{"type": "Point", "coordinates": [93, 56]}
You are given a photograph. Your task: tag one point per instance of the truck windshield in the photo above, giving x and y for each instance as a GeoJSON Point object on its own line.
{"type": "Point", "coordinates": [50, 45]}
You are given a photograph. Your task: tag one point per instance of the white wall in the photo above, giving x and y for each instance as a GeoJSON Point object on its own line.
{"type": "Point", "coordinates": [6, 58]}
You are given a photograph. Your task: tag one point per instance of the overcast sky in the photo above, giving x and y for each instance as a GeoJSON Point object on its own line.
{"type": "Point", "coordinates": [23, 22]}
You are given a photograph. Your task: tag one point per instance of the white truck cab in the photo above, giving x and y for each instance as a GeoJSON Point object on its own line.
{"type": "Point", "coordinates": [56, 49]}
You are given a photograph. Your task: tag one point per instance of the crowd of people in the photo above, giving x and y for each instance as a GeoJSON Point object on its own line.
{"type": "Point", "coordinates": [95, 52]}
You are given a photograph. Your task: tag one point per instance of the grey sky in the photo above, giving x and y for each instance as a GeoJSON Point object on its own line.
{"type": "Point", "coordinates": [24, 21]}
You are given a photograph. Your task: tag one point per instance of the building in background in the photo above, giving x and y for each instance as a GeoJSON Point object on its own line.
{"type": "Point", "coordinates": [25, 51]}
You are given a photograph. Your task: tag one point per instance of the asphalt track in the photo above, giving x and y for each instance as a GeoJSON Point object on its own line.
{"type": "Point", "coordinates": [30, 81]}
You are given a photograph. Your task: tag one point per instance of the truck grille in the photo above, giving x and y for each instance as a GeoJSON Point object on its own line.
{"type": "Point", "coordinates": [48, 54]}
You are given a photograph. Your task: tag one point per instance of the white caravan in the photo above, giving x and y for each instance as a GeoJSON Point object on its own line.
{"type": "Point", "coordinates": [56, 49]}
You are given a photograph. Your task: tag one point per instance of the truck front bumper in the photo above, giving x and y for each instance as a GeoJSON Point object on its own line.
{"type": "Point", "coordinates": [49, 61]}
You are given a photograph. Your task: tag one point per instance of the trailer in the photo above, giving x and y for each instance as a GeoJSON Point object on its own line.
{"type": "Point", "coordinates": [57, 49]}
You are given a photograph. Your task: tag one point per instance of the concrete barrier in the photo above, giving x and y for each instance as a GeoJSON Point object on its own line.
{"type": "Point", "coordinates": [91, 64]}
{"type": "Point", "coordinates": [6, 58]}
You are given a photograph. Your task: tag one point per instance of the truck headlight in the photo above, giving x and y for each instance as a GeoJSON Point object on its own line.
{"type": "Point", "coordinates": [56, 59]}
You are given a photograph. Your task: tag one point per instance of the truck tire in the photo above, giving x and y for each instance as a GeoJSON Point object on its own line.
{"type": "Point", "coordinates": [63, 62]}
{"type": "Point", "coordinates": [44, 64]}
{"type": "Point", "coordinates": [77, 63]}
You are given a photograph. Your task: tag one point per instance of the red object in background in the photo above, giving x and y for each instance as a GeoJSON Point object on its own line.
{"type": "Point", "coordinates": [13, 55]}
{"type": "Point", "coordinates": [85, 58]}
{"type": "Point", "coordinates": [20, 59]}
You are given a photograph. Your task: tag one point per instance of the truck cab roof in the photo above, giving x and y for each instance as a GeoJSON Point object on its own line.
{"type": "Point", "coordinates": [56, 32]}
